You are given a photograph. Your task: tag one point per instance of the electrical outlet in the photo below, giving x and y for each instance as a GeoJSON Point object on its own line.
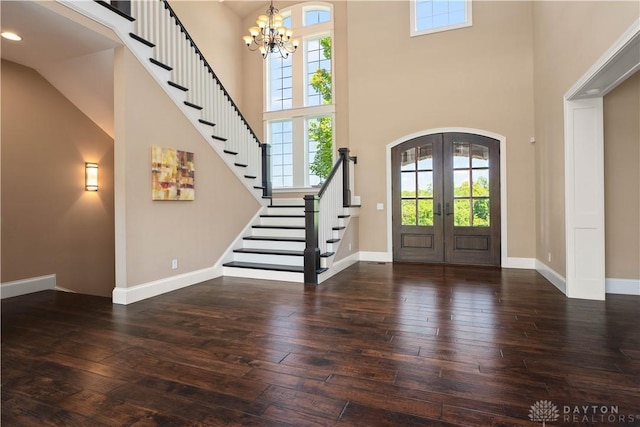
{"type": "Point", "coordinates": [174, 264]}
{"type": "Point", "coordinates": [549, 256]}
{"type": "Point", "coordinates": [380, 206]}
{"type": "Point", "coordinates": [349, 246]}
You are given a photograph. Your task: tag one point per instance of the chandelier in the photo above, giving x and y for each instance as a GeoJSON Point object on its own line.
{"type": "Point", "coordinates": [271, 36]}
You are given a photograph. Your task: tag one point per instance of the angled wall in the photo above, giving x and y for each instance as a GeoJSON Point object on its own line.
{"type": "Point", "coordinates": [150, 234]}
{"type": "Point", "coordinates": [50, 224]}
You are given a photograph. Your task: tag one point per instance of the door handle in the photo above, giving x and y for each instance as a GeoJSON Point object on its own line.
{"type": "Point", "coordinates": [438, 209]}
{"type": "Point", "coordinates": [447, 209]}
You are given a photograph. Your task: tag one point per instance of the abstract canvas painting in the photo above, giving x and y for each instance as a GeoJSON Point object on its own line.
{"type": "Point", "coordinates": [172, 174]}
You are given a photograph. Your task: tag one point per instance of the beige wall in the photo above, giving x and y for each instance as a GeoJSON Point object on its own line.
{"type": "Point", "coordinates": [569, 37]}
{"type": "Point", "coordinates": [218, 33]}
{"type": "Point", "coordinates": [622, 180]}
{"type": "Point", "coordinates": [479, 77]}
{"type": "Point", "coordinates": [195, 233]}
{"type": "Point", "coordinates": [350, 241]}
{"type": "Point", "coordinates": [50, 224]}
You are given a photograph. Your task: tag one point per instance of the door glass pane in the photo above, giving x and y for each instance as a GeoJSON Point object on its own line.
{"type": "Point", "coordinates": [461, 183]}
{"type": "Point", "coordinates": [481, 213]}
{"type": "Point", "coordinates": [425, 157]}
{"type": "Point", "coordinates": [462, 212]}
{"type": "Point", "coordinates": [408, 212]}
{"type": "Point", "coordinates": [425, 184]}
{"type": "Point", "coordinates": [460, 155]}
{"type": "Point", "coordinates": [425, 212]}
{"type": "Point", "coordinates": [480, 182]}
{"type": "Point", "coordinates": [408, 159]}
{"type": "Point", "coordinates": [408, 184]}
{"type": "Point", "coordinates": [479, 156]}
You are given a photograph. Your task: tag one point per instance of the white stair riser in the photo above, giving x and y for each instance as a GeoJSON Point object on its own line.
{"type": "Point", "coordinates": [285, 211]}
{"type": "Point", "coordinates": [269, 259]}
{"type": "Point", "coordinates": [286, 201]}
{"type": "Point", "coordinates": [283, 276]}
{"type": "Point", "coordinates": [282, 221]}
{"type": "Point", "coordinates": [270, 244]}
{"type": "Point", "coordinates": [277, 232]}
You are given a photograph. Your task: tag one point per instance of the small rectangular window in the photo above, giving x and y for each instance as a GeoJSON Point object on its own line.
{"type": "Point", "coordinates": [318, 79]}
{"type": "Point", "coordinates": [430, 16]}
{"type": "Point", "coordinates": [316, 15]}
{"type": "Point", "coordinates": [280, 137]}
{"type": "Point", "coordinates": [319, 148]}
{"type": "Point", "coordinates": [280, 96]}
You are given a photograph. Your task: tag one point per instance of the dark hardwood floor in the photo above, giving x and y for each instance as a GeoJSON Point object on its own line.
{"type": "Point", "coordinates": [377, 345]}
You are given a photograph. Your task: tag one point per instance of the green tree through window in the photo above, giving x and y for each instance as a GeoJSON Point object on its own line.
{"type": "Point", "coordinates": [321, 130]}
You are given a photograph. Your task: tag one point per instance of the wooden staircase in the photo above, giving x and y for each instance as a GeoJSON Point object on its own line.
{"type": "Point", "coordinates": [273, 247]}
{"type": "Point", "coordinates": [276, 244]}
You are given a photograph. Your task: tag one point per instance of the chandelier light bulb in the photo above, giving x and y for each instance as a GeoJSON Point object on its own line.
{"type": "Point", "coordinates": [271, 35]}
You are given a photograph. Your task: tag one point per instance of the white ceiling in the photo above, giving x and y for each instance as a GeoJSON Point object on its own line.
{"type": "Point", "coordinates": [46, 36]}
{"type": "Point", "coordinates": [73, 58]}
{"type": "Point", "coordinates": [244, 8]}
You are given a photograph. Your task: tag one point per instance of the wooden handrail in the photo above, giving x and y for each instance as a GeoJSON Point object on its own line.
{"type": "Point", "coordinates": [334, 170]}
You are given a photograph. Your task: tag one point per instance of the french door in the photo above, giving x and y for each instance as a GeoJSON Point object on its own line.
{"type": "Point", "coordinates": [446, 199]}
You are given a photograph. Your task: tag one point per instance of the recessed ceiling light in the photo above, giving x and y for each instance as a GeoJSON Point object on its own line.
{"type": "Point", "coordinates": [593, 91]}
{"type": "Point", "coordinates": [10, 36]}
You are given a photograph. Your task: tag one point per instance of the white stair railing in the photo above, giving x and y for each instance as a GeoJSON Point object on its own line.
{"type": "Point", "coordinates": [157, 22]}
{"type": "Point", "coordinates": [322, 214]}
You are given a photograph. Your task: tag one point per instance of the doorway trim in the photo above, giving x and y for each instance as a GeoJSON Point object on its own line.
{"type": "Point", "coordinates": [583, 132]}
{"type": "Point", "coordinates": [505, 261]}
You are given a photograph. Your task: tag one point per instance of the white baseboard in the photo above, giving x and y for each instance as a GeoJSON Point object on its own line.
{"type": "Point", "coordinates": [622, 286]}
{"type": "Point", "coordinates": [338, 266]}
{"type": "Point", "coordinates": [158, 287]}
{"type": "Point", "coordinates": [27, 286]}
{"type": "Point", "coordinates": [551, 275]}
{"type": "Point", "coordinates": [376, 256]}
{"type": "Point", "coordinates": [524, 263]}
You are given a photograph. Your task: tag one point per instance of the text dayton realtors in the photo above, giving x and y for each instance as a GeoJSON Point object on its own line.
{"type": "Point", "coordinates": [596, 414]}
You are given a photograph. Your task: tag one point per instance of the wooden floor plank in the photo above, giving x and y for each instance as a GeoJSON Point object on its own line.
{"type": "Point", "coordinates": [376, 345]}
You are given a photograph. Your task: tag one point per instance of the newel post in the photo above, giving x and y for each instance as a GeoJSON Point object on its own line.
{"type": "Point", "coordinates": [266, 170]}
{"type": "Point", "coordinates": [346, 191]}
{"type": "Point", "coordinates": [311, 250]}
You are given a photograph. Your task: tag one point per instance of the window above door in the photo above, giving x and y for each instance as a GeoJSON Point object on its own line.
{"type": "Point", "coordinates": [431, 16]}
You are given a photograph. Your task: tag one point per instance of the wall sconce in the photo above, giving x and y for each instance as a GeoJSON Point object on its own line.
{"type": "Point", "coordinates": [91, 176]}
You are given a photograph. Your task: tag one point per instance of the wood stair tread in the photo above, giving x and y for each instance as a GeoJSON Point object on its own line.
{"type": "Point", "coordinates": [280, 216]}
{"type": "Point", "coordinates": [206, 122]}
{"type": "Point", "coordinates": [283, 227]}
{"type": "Point", "coordinates": [141, 40]}
{"type": "Point", "coordinates": [275, 239]}
{"type": "Point", "coordinates": [160, 64]}
{"type": "Point", "coordinates": [269, 251]}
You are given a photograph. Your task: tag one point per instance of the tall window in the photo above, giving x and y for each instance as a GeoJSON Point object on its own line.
{"type": "Point", "coordinates": [430, 16]}
{"type": "Point", "coordinates": [299, 109]}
